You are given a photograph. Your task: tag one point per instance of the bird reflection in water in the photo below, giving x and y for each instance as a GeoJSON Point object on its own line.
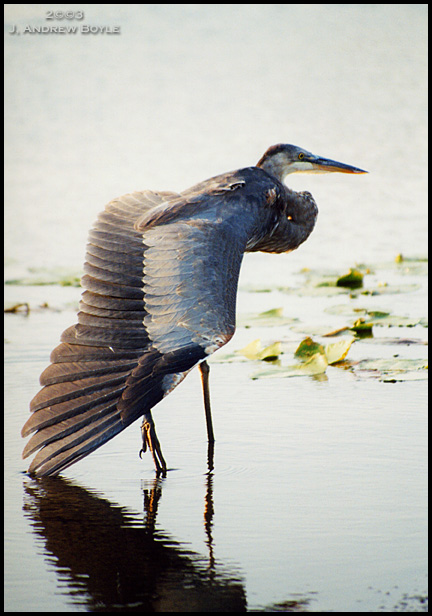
{"type": "Point", "coordinates": [112, 560]}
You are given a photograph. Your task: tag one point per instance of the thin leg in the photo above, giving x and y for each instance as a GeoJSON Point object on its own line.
{"type": "Point", "coordinates": [205, 370]}
{"type": "Point", "coordinates": [210, 456]}
{"type": "Point", "coordinates": [150, 440]}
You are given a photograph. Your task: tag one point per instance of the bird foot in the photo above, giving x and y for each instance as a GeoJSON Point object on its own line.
{"type": "Point", "coordinates": [151, 441]}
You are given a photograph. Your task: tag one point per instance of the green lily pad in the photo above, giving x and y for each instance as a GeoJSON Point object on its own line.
{"type": "Point", "coordinates": [362, 327]}
{"type": "Point", "coordinates": [252, 352]}
{"type": "Point", "coordinates": [317, 358]}
{"type": "Point", "coordinates": [334, 351]}
{"type": "Point", "coordinates": [47, 278]}
{"type": "Point", "coordinates": [254, 288]}
{"type": "Point", "coordinates": [368, 318]}
{"type": "Point", "coordinates": [269, 318]}
{"type": "Point", "coordinates": [401, 264]}
{"type": "Point", "coordinates": [319, 283]}
{"type": "Point", "coordinates": [350, 311]}
{"type": "Point", "coordinates": [352, 280]}
{"type": "Point", "coordinates": [307, 348]}
{"type": "Point", "coordinates": [329, 283]}
{"type": "Point", "coordinates": [398, 321]}
{"type": "Point", "coordinates": [315, 365]}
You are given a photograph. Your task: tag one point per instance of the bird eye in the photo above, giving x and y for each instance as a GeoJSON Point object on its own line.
{"type": "Point", "coordinates": [301, 156]}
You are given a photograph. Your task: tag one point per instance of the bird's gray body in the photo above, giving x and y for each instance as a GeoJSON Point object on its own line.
{"type": "Point", "coordinates": [160, 286]}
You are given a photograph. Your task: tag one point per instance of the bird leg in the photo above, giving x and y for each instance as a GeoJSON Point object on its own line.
{"type": "Point", "coordinates": [150, 440]}
{"type": "Point", "coordinates": [205, 370]}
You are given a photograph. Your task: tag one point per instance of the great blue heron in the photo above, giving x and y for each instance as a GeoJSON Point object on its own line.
{"type": "Point", "coordinates": [160, 282]}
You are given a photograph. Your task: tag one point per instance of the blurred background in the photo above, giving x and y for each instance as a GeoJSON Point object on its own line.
{"type": "Point", "coordinates": [185, 92]}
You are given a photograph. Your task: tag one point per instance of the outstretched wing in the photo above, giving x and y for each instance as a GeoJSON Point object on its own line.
{"type": "Point", "coordinates": [157, 301]}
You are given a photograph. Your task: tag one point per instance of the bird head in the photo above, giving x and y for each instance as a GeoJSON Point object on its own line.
{"type": "Point", "coordinates": [282, 159]}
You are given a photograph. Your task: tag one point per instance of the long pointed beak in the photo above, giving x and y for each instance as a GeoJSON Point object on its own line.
{"type": "Point", "coordinates": [326, 165]}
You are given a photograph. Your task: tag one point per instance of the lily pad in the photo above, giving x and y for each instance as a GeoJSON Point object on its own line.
{"type": "Point", "coordinates": [352, 280]}
{"type": "Point", "coordinates": [330, 282]}
{"type": "Point", "coordinates": [348, 310]}
{"type": "Point", "coordinates": [319, 283]}
{"type": "Point", "coordinates": [368, 318]}
{"type": "Point", "coordinates": [397, 341]}
{"type": "Point", "coordinates": [385, 289]}
{"type": "Point", "coordinates": [42, 279]}
{"type": "Point", "coordinates": [317, 330]}
{"type": "Point", "coordinates": [334, 351]}
{"type": "Point", "coordinates": [254, 288]}
{"type": "Point", "coordinates": [315, 365]}
{"type": "Point", "coordinates": [399, 321]}
{"type": "Point", "coordinates": [226, 358]}
{"type": "Point", "coordinates": [362, 327]}
{"type": "Point", "coordinates": [414, 266]}
{"type": "Point", "coordinates": [269, 318]}
{"type": "Point", "coordinates": [317, 359]}
{"type": "Point", "coordinates": [393, 369]}
{"type": "Point", "coordinates": [337, 351]}
{"type": "Point", "coordinates": [255, 351]}
{"type": "Point", "coordinates": [23, 307]}
{"type": "Point", "coordinates": [401, 264]}
{"type": "Point", "coordinates": [311, 291]}
{"type": "Point", "coordinates": [307, 348]}
{"type": "Point", "coordinates": [252, 351]}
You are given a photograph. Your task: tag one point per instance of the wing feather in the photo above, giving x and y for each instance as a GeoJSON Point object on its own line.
{"type": "Point", "coordinates": [76, 410]}
{"type": "Point", "coordinates": [197, 285]}
{"type": "Point", "coordinates": [90, 300]}
{"type": "Point", "coordinates": [107, 274]}
{"type": "Point", "coordinates": [157, 300]}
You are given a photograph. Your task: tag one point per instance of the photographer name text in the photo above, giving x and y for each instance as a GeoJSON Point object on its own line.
{"type": "Point", "coordinates": [69, 29]}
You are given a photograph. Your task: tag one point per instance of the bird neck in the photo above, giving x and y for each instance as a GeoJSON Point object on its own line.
{"type": "Point", "coordinates": [275, 165]}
